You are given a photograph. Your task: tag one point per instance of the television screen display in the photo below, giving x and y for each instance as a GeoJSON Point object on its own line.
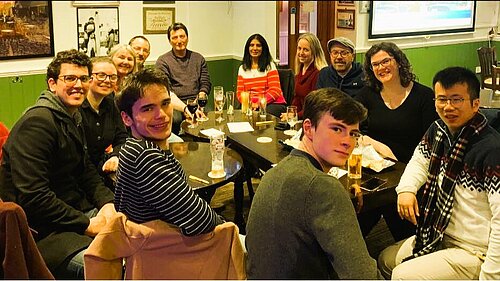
{"type": "Point", "coordinates": [409, 18]}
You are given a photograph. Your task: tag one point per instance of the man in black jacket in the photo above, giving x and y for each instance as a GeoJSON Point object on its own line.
{"type": "Point", "coordinates": [344, 73]}
{"type": "Point", "coordinates": [46, 170]}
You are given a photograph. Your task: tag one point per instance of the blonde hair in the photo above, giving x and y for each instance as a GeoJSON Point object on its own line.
{"type": "Point", "coordinates": [126, 47]}
{"type": "Point", "coordinates": [316, 52]}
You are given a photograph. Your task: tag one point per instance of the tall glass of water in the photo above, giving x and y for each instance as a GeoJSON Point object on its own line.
{"type": "Point", "coordinates": [219, 99]}
{"type": "Point", "coordinates": [291, 119]}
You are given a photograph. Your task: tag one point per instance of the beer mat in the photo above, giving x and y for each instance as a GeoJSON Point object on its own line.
{"type": "Point", "coordinates": [264, 139]}
{"type": "Point", "coordinates": [211, 132]}
{"type": "Point", "coordinates": [239, 127]}
{"type": "Point", "coordinates": [216, 176]}
{"type": "Point", "coordinates": [372, 160]}
{"type": "Point", "coordinates": [337, 172]}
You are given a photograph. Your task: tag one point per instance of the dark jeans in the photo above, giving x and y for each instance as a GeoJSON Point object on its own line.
{"type": "Point", "coordinates": [399, 228]}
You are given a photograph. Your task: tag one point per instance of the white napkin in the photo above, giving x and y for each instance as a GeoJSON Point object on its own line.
{"type": "Point", "coordinates": [211, 132]}
{"type": "Point", "coordinates": [372, 160]}
{"type": "Point", "coordinates": [239, 127]}
{"type": "Point", "coordinates": [337, 172]}
{"type": "Point", "coordinates": [295, 140]}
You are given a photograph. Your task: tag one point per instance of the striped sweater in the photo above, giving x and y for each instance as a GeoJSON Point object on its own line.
{"type": "Point", "coordinates": [257, 83]}
{"type": "Point", "coordinates": [152, 185]}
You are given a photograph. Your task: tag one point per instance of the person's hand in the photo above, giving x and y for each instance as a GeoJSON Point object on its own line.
{"type": "Point", "coordinates": [96, 224]}
{"type": "Point", "coordinates": [111, 165]}
{"type": "Point", "coordinates": [107, 211]}
{"type": "Point", "coordinates": [408, 207]}
{"type": "Point", "coordinates": [199, 113]}
{"type": "Point", "coordinates": [356, 190]}
{"type": "Point", "coordinates": [283, 116]}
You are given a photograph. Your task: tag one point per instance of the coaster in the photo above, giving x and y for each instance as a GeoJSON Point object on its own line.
{"type": "Point", "coordinates": [264, 139]}
{"type": "Point", "coordinates": [216, 176]}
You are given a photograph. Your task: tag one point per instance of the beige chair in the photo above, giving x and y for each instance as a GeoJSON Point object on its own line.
{"type": "Point", "coordinates": [158, 250]}
{"type": "Point", "coordinates": [488, 62]}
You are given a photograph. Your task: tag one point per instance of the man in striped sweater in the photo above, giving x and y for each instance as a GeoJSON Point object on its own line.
{"type": "Point", "coordinates": [150, 181]}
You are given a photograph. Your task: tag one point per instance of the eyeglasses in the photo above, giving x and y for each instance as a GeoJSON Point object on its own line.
{"type": "Point", "coordinates": [455, 102]}
{"type": "Point", "coordinates": [343, 53]}
{"type": "Point", "coordinates": [101, 76]}
{"type": "Point", "coordinates": [384, 63]}
{"type": "Point", "coordinates": [71, 79]}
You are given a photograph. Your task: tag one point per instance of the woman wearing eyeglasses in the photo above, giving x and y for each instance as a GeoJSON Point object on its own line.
{"type": "Point", "coordinates": [101, 119]}
{"type": "Point", "coordinates": [399, 112]}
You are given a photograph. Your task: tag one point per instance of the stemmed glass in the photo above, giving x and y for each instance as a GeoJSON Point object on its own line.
{"type": "Point", "coordinates": [291, 119]}
{"type": "Point", "coordinates": [219, 100]}
{"type": "Point", "coordinates": [202, 102]}
{"type": "Point", "coordinates": [192, 106]}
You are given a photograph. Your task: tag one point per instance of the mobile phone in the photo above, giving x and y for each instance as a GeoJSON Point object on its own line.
{"type": "Point", "coordinates": [282, 126]}
{"type": "Point", "coordinates": [372, 184]}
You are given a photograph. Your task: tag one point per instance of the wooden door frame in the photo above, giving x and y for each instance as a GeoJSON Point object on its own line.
{"type": "Point", "coordinates": [325, 24]}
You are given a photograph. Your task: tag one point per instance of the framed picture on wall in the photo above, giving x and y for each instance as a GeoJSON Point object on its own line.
{"type": "Point", "coordinates": [345, 3]}
{"type": "Point", "coordinates": [157, 20]}
{"type": "Point", "coordinates": [26, 29]}
{"type": "Point", "coordinates": [345, 19]}
{"type": "Point", "coordinates": [97, 30]}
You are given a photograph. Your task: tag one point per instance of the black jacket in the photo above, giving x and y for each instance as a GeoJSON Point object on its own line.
{"type": "Point", "coordinates": [350, 84]}
{"type": "Point", "coordinates": [46, 170]}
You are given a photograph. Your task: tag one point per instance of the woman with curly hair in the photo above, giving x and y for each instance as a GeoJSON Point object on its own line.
{"type": "Point", "coordinates": [399, 112]}
{"type": "Point", "coordinates": [258, 75]}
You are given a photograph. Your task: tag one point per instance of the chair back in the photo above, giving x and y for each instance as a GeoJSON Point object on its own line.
{"type": "Point", "coordinates": [4, 133]}
{"type": "Point", "coordinates": [287, 82]}
{"type": "Point", "coordinates": [493, 116]}
{"type": "Point", "coordinates": [487, 60]}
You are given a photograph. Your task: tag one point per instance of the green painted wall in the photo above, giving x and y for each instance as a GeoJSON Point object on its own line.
{"type": "Point", "coordinates": [426, 61]}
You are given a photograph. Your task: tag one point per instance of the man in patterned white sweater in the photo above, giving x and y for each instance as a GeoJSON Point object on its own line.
{"type": "Point", "coordinates": [458, 216]}
{"type": "Point", "coordinates": [150, 181]}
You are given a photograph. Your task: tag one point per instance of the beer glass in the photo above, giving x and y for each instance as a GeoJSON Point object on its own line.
{"type": "Point", "coordinates": [217, 151]}
{"type": "Point", "coordinates": [262, 105]}
{"type": "Point", "coordinates": [230, 102]}
{"type": "Point", "coordinates": [354, 162]}
{"type": "Point", "coordinates": [291, 119]}
{"type": "Point", "coordinates": [219, 102]}
{"type": "Point", "coordinates": [245, 103]}
{"type": "Point", "coordinates": [202, 102]}
{"type": "Point", "coordinates": [192, 106]}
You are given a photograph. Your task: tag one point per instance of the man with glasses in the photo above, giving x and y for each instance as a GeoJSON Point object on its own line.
{"type": "Point", "coordinates": [46, 170]}
{"type": "Point", "coordinates": [458, 217]}
{"type": "Point", "coordinates": [104, 129]}
{"type": "Point", "coordinates": [344, 73]}
{"type": "Point", "coordinates": [302, 224]}
{"type": "Point", "coordinates": [142, 49]}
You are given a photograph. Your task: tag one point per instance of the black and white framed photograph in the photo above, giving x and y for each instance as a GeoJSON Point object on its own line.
{"type": "Point", "coordinates": [26, 29]}
{"type": "Point", "coordinates": [97, 30]}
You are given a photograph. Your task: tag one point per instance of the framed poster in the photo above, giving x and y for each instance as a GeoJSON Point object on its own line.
{"type": "Point", "coordinates": [97, 30]}
{"type": "Point", "coordinates": [26, 29]}
{"type": "Point", "coordinates": [345, 19]}
{"type": "Point", "coordinates": [345, 3]}
{"type": "Point", "coordinates": [157, 20]}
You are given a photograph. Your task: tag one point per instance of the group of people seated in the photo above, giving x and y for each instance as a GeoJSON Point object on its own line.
{"type": "Point", "coordinates": [96, 142]}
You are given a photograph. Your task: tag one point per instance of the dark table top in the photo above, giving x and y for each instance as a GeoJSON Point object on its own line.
{"type": "Point", "coordinates": [196, 160]}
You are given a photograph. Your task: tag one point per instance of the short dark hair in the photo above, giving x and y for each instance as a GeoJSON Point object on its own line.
{"type": "Point", "coordinates": [71, 57]}
{"type": "Point", "coordinates": [265, 58]}
{"type": "Point", "coordinates": [100, 59]}
{"type": "Point", "coordinates": [338, 104]}
{"type": "Point", "coordinates": [133, 88]}
{"type": "Point", "coordinates": [451, 76]}
{"type": "Point", "coordinates": [176, 26]}
{"type": "Point", "coordinates": [139, 36]}
{"type": "Point", "coordinates": [405, 72]}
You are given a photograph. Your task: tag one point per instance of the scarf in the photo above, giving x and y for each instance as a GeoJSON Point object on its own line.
{"type": "Point", "coordinates": [437, 201]}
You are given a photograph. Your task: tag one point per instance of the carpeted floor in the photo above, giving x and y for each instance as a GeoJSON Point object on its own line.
{"type": "Point", "coordinates": [223, 202]}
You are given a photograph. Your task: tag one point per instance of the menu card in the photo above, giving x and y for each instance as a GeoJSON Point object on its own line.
{"type": "Point", "coordinates": [239, 127]}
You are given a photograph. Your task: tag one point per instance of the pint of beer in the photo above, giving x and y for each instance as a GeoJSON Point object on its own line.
{"type": "Point", "coordinates": [354, 163]}
{"type": "Point", "coordinates": [245, 102]}
{"type": "Point", "coordinates": [217, 151]}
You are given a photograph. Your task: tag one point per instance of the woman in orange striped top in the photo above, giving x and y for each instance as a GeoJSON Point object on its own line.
{"type": "Point", "coordinates": [258, 75]}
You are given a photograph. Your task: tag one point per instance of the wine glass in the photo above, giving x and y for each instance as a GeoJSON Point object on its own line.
{"type": "Point", "coordinates": [192, 106]}
{"type": "Point", "coordinates": [219, 100]}
{"type": "Point", "coordinates": [202, 102]}
{"type": "Point", "coordinates": [291, 119]}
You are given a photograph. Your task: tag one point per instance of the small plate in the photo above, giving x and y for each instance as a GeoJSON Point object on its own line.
{"type": "Point", "coordinates": [264, 139]}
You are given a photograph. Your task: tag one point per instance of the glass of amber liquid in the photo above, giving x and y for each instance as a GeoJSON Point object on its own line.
{"type": "Point", "coordinates": [354, 162]}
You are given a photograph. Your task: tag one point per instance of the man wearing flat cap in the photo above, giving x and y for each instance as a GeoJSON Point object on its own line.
{"type": "Point", "coordinates": [344, 73]}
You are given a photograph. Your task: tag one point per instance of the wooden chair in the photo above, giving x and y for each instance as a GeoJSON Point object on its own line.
{"type": "Point", "coordinates": [488, 61]}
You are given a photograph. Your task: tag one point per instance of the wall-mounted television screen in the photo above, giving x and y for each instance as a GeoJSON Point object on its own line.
{"type": "Point", "coordinates": [410, 18]}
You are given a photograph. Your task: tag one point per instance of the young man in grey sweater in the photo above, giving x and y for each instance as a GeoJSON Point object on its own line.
{"type": "Point", "coordinates": [302, 224]}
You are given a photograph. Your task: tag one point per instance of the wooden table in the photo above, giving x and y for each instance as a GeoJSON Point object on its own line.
{"type": "Point", "coordinates": [196, 160]}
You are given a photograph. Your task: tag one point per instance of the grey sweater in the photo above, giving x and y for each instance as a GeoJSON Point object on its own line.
{"type": "Point", "coordinates": [188, 75]}
{"type": "Point", "coordinates": [302, 225]}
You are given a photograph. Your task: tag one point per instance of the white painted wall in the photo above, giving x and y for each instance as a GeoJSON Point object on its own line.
{"type": "Point", "coordinates": [217, 29]}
